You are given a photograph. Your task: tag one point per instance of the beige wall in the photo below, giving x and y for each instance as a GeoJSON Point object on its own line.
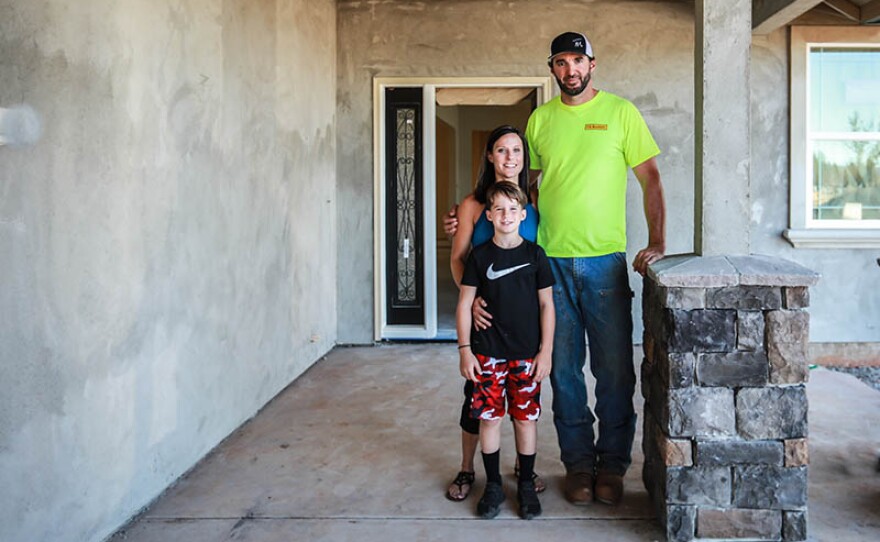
{"type": "Point", "coordinates": [644, 52]}
{"type": "Point", "coordinates": [167, 248]}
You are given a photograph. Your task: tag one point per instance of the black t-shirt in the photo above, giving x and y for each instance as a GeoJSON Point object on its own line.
{"type": "Point", "coordinates": [509, 280]}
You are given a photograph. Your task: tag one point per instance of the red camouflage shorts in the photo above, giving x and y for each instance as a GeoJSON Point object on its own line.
{"type": "Point", "coordinates": [499, 378]}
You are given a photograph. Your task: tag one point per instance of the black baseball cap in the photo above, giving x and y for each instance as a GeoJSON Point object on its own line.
{"type": "Point", "coordinates": [571, 42]}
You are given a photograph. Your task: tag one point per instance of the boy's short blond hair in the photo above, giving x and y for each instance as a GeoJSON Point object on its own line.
{"type": "Point", "coordinates": [509, 190]}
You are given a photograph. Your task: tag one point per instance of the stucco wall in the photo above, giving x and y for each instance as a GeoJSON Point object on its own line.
{"type": "Point", "coordinates": [844, 305]}
{"type": "Point", "coordinates": [644, 52]}
{"type": "Point", "coordinates": [167, 248]}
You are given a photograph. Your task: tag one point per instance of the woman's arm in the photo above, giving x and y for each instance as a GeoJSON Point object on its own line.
{"type": "Point", "coordinates": [468, 213]}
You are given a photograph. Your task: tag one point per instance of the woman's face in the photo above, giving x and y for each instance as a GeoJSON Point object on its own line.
{"type": "Point", "coordinates": [507, 157]}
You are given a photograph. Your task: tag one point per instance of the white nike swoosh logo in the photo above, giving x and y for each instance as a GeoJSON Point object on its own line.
{"type": "Point", "coordinates": [491, 274]}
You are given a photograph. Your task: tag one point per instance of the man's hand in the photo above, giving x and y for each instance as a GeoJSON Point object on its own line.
{"type": "Point", "coordinates": [646, 257]}
{"type": "Point", "coordinates": [468, 364]}
{"type": "Point", "coordinates": [541, 368]}
{"type": "Point", "coordinates": [450, 221]}
{"type": "Point", "coordinates": [482, 318]}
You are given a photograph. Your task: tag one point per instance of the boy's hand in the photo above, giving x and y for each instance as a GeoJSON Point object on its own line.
{"type": "Point", "coordinates": [482, 318]}
{"type": "Point", "coordinates": [468, 365]}
{"type": "Point", "coordinates": [541, 367]}
{"type": "Point", "coordinates": [450, 221]}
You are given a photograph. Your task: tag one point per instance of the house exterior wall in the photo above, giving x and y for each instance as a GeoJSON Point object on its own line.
{"type": "Point", "coordinates": [167, 248]}
{"type": "Point", "coordinates": [844, 305]}
{"type": "Point", "coordinates": [644, 53]}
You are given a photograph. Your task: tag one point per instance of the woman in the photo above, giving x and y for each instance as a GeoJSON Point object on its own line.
{"type": "Point", "coordinates": [506, 159]}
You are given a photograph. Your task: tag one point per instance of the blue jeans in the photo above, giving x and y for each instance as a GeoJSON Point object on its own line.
{"type": "Point", "coordinates": [592, 296]}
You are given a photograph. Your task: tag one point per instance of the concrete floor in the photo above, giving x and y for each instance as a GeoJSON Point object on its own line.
{"type": "Point", "coordinates": [363, 445]}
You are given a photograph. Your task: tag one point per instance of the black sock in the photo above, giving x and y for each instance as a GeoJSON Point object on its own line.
{"type": "Point", "coordinates": [492, 464]}
{"type": "Point", "coordinates": [526, 466]}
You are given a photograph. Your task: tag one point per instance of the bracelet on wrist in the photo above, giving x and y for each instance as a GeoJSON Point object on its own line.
{"type": "Point", "coordinates": [463, 346]}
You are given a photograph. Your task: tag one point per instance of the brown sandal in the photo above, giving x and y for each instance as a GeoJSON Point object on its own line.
{"type": "Point", "coordinates": [464, 481]}
{"type": "Point", "coordinates": [540, 486]}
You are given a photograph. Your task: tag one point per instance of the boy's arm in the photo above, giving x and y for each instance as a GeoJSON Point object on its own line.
{"type": "Point", "coordinates": [468, 364]}
{"type": "Point", "coordinates": [544, 358]}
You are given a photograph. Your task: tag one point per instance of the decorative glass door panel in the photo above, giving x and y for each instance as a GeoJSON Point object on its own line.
{"type": "Point", "coordinates": [404, 207]}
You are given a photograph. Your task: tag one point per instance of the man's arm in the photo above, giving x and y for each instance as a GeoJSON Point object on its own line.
{"type": "Point", "coordinates": [655, 214]}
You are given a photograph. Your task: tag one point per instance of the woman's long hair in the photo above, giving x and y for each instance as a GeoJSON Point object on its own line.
{"type": "Point", "coordinates": [487, 169]}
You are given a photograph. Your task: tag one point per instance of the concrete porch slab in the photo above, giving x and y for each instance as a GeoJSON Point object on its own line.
{"type": "Point", "coordinates": [361, 447]}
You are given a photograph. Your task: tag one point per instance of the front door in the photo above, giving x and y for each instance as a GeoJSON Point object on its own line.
{"type": "Point", "coordinates": [414, 290]}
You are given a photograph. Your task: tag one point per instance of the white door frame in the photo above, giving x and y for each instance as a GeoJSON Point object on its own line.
{"type": "Point", "coordinates": [429, 87]}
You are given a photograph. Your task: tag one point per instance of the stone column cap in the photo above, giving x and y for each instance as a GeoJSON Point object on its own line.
{"type": "Point", "coordinates": [692, 271]}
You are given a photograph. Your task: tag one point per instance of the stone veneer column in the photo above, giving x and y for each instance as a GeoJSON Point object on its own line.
{"type": "Point", "coordinates": [724, 373]}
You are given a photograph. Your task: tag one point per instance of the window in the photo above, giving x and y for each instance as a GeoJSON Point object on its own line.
{"type": "Point", "coordinates": [835, 137]}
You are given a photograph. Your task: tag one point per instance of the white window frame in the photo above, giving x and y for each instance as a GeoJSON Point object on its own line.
{"type": "Point", "coordinates": [804, 231]}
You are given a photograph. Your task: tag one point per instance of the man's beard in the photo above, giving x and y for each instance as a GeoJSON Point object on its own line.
{"type": "Point", "coordinates": [577, 90]}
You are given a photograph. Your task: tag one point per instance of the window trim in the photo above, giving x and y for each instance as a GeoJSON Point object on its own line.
{"type": "Point", "coordinates": [804, 231]}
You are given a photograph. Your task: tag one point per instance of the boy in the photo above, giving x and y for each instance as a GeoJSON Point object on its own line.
{"type": "Point", "coordinates": [512, 357]}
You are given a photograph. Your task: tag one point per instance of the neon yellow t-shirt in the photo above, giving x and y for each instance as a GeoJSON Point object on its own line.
{"type": "Point", "coordinates": [584, 152]}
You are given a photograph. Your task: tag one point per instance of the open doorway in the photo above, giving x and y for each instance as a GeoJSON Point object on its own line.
{"type": "Point", "coordinates": [465, 118]}
{"type": "Point", "coordinates": [429, 136]}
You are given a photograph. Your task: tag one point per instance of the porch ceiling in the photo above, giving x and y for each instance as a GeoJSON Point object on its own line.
{"type": "Point", "coordinates": [768, 15]}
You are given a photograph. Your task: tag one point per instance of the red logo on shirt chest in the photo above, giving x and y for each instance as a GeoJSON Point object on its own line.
{"type": "Point", "coordinates": [596, 127]}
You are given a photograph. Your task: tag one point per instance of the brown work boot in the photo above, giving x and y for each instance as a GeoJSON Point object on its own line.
{"type": "Point", "coordinates": [579, 488]}
{"type": "Point", "coordinates": [609, 488]}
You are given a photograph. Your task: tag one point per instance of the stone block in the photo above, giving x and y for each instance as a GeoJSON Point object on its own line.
{"type": "Point", "coordinates": [788, 362]}
{"type": "Point", "coordinates": [797, 297]}
{"type": "Point", "coordinates": [749, 330]}
{"type": "Point", "coordinates": [654, 479]}
{"type": "Point", "coordinates": [761, 270]}
{"type": "Point", "coordinates": [647, 373]}
{"type": "Point", "coordinates": [794, 525]}
{"type": "Point", "coordinates": [657, 402]}
{"type": "Point", "coordinates": [766, 487]}
{"type": "Point", "coordinates": [735, 523]}
{"type": "Point", "coordinates": [797, 452]}
{"type": "Point", "coordinates": [784, 326]}
{"type": "Point", "coordinates": [674, 452]}
{"type": "Point", "coordinates": [701, 412]}
{"type": "Point", "coordinates": [709, 486]}
{"type": "Point", "coordinates": [648, 345]}
{"type": "Point", "coordinates": [680, 523]}
{"type": "Point", "coordinates": [771, 412]}
{"type": "Point", "coordinates": [684, 298]}
{"type": "Point", "coordinates": [735, 369]}
{"type": "Point", "coordinates": [654, 315]}
{"type": "Point", "coordinates": [676, 369]}
{"type": "Point", "coordinates": [744, 298]}
{"type": "Point", "coordinates": [702, 331]}
{"type": "Point", "coordinates": [738, 452]}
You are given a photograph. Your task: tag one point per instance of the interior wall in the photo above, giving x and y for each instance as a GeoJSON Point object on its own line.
{"type": "Point", "coordinates": [644, 53]}
{"type": "Point", "coordinates": [844, 306]}
{"type": "Point", "coordinates": [167, 248]}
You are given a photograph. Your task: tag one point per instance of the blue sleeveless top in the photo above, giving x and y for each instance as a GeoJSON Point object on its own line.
{"type": "Point", "coordinates": [528, 228]}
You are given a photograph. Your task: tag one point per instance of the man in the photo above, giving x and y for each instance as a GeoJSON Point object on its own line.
{"type": "Point", "coordinates": [582, 144]}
